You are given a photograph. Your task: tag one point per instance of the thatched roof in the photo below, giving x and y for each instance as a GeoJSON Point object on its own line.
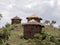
{"type": "Point", "coordinates": [34, 16]}
{"type": "Point", "coordinates": [16, 17]}
{"type": "Point", "coordinates": [33, 22]}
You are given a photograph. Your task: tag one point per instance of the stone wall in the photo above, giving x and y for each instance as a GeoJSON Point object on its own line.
{"type": "Point", "coordinates": [31, 30]}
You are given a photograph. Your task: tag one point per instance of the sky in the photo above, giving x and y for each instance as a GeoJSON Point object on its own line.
{"type": "Point", "coordinates": [47, 9]}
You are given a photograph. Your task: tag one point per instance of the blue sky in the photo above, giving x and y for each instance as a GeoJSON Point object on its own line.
{"type": "Point", "coordinates": [47, 9]}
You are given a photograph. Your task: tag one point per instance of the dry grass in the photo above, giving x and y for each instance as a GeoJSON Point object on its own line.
{"type": "Point", "coordinates": [14, 38]}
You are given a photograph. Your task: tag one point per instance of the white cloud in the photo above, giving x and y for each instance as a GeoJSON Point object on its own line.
{"type": "Point", "coordinates": [48, 9]}
{"type": "Point", "coordinates": [28, 6]}
{"type": "Point", "coordinates": [10, 6]}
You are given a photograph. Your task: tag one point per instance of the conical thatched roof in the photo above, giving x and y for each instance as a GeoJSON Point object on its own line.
{"type": "Point", "coordinates": [16, 17]}
{"type": "Point", "coordinates": [34, 16]}
{"type": "Point", "coordinates": [33, 22]}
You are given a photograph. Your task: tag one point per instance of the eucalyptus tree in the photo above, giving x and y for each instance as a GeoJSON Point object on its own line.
{"type": "Point", "coordinates": [53, 22]}
{"type": "Point", "coordinates": [47, 22]}
{"type": "Point", "coordinates": [0, 16]}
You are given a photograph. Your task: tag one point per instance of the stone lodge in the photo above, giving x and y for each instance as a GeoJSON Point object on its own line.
{"type": "Point", "coordinates": [32, 27]}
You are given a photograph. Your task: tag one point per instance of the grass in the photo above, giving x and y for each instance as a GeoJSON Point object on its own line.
{"type": "Point", "coordinates": [14, 38]}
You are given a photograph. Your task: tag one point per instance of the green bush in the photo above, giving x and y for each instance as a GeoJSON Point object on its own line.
{"type": "Point", "coordinates": [38, 36]}
{"type": "Point", "coordinates": [21, 36]}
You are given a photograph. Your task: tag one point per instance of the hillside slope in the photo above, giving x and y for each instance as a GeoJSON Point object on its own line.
{"type": "Point", "coordinates": [15, 35]}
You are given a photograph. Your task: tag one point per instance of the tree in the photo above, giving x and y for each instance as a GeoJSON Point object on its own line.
{"type": "Point", "coordinates": [4, 36]}
{"type": "Point", "coordinates": [0, 16]}
{"type": "Point", "coordinates": [59, 27]}
{"type": "Point", "coordinates": [6, 30]}
{"type": "Point", "coordinates": [53, 22]}
{"type": "Point", "coordinates": [47, 22]}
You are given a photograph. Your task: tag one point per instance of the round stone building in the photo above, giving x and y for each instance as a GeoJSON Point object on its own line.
{"type": "Point", "coordinates": [32, 27]}
{"type": "Point", "coordinates": [16, 20]}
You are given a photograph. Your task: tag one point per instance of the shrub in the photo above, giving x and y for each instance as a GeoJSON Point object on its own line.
{"type": "Point", "coordinates": [38, 36]}
{"type": "Point", "coordinates": [21, 36]}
